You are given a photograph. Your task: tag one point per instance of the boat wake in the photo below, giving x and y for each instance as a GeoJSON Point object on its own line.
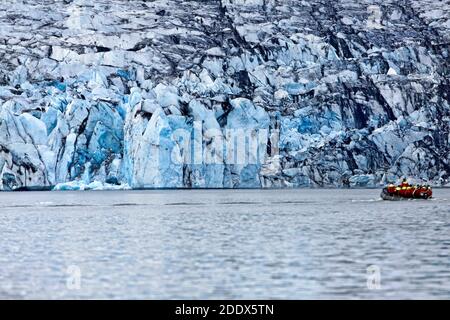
{"type": "Point", "coordinates": [367, 200]}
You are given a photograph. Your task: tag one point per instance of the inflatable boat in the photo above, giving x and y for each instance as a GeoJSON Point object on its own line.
{"type": "Point", "coordinates": [394, 193]}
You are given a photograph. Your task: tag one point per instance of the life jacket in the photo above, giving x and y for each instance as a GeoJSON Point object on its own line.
{"type": "Point", "coordinates": [402, 191]}
{"type": "Point", "coordinates": [391, 188]}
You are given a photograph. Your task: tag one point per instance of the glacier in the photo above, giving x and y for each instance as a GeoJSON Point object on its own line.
{"type": "Point", "coordinates": [145, 94]}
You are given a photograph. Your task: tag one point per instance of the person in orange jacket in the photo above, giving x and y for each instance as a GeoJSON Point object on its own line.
{"type": "Point", "coordinates": [409, 192]}
{"type": "Point", "coordinates": [404, 188]}
{"type": "Point", "coordinates": [402, 191]}
{"type": "Point", "coordinates": [404, 183]}
{"type": "Point", "coordinates": [391, 188]}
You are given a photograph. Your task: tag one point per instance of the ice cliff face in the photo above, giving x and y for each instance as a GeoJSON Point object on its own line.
{"type": "Point", "coordinates": [349, 92]}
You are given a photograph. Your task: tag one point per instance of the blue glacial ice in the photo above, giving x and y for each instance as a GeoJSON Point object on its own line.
{"type": "Point", "coordinates": [93, 97]}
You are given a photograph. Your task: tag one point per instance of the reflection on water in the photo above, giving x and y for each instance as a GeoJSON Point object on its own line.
{"type": "Point", "coordinates": [214, 244]}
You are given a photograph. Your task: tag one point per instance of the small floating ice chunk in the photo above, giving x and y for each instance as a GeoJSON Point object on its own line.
{"type": "Point", "coordinates": [95, 185]}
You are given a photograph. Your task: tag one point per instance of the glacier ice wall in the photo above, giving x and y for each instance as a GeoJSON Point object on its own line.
{"type": "Point", "coordinates": [352, 93]}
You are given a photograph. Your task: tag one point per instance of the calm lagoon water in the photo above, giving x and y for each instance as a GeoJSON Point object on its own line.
{"type": "Point", "coordinates": [223, 244]}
